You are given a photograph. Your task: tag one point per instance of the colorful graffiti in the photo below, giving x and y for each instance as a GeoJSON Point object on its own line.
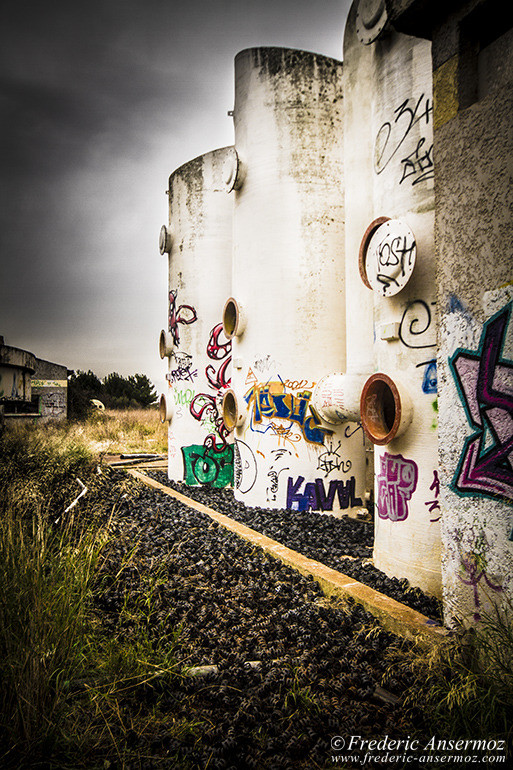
{"type": "Point", "coordinates": [204, 407]}
{"type": "Point", "coordinates": [485, 386]}
{"type": "Point", "coordinates": [208, 464]}
{"type": "Point", "coordinates": [270, 400]}
{"type": "Point", "coordinates": [396, 483]}
{"type": "Point", "coordinates": [314, 496]}
{"type": "Point", "coordinates": [430, 378]}
{"type": "Point", "coordinates": [183, 314]}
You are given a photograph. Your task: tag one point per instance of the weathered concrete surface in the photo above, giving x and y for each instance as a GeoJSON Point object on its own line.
{"type": "Point", "coordinates": [392, 615]}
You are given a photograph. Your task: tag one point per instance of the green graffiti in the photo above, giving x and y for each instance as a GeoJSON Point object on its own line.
{"type": "Point", "coordinates": [206, 465]}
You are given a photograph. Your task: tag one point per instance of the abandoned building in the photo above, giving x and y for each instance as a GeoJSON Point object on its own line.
{"type": "Point", "coordinates": [340, 293]}
{"type": "Point", "coordinates": [31, 389]}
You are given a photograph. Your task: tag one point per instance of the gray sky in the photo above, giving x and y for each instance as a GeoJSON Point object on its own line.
{"type": "Point", "coordinates": [100, 100]}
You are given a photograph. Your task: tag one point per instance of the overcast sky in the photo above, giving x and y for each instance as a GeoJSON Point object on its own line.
{"type": "Point", "coordinates": [100, 100]}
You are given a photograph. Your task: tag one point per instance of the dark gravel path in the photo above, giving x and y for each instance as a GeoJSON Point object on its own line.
{"type": "Point", "coordinates": [326, 539]}
{"type": "Point", "coordinates": [322, 664]}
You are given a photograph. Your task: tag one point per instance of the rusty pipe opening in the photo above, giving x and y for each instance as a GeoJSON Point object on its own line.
{"type": "Point", "coordinates": [232, 413]}
{"type": "Point", "coordinates": [234, 320]}
{"type": "Point", "coordinates": [386, 409]}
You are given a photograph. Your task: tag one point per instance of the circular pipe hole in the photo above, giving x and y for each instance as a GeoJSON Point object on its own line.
{"type": "Point", "coordinates": [166, 344]}
{"type": "Point", "coordinates": [165, 409]}
{"type": "Point", "coordinates": [233, 318]}
{"type": "Point", "coordinates": [384, 412]}
{"type": "Point", "coordinates": [231, 414]}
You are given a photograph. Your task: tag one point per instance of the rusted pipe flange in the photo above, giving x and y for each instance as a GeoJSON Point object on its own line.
{"type": "Point", "coordinates": [386, 409]}
{"type": "Point", "coordinates": [364, 245]}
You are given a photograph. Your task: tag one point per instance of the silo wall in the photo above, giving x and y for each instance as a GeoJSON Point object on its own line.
{"type": "Point", "coordinates": [199, 243]}
{"type": "Point", "coordinates": [288, 296]}
{"type": "Point", "coordinates": [389, 180]}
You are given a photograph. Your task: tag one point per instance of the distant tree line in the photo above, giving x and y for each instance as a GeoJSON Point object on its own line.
{"type": "Point", "coordinates": [114, 391]}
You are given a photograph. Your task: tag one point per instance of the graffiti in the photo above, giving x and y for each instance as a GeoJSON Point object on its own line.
{"type": "Point", "coordinates": [330, 460]}
{"type": "Point", "coordinates": [484, 382]}
{"type": "Point", "coordinates": [280, 456]}
{"type": "Point", "coordinates": [264, 364]}
{"type": "Point", "coordinates": [244, 467]}
{"type": "Point", "coordinates": [270, 400]}
{"type": "Point", "coordinates": [350, 430]}
{"type": "Point", "coordinates": [183, 397]}
{"type": "Point", "coordinates": [418, 164]}
{"type": "Point", "coordinates": [314, 496]}
{"type": "Point", "coordinates": [394, 255]}
{"type": "Point", "coordinates": [183, 314]}
{"type": "Point", "coordinates": [53, 403]}
{"type": "Point", "coordinates": [183, 369]}
{"type": "Point", "coordinates": [473, 573]}
{"type": "Point", "coordinates": [415, 322]}
{"type": "Point", "coordinates": [392, 135]}
{"type": "Point", "coordinates": [396, 483]}
{"type": "Point", "coordinates": [205, 407]}
{"type": "Point", "coordinates": [208, 464]}
{"type": "Point", "coordinates": [430, 378]}
{"type": "Point", "coordinates": [434, 505]}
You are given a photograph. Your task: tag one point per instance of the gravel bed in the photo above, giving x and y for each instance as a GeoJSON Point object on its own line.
{"type": "Point", "coordinates": [326, 539]}
{"type": "Point", "coordinates": [325, 669]}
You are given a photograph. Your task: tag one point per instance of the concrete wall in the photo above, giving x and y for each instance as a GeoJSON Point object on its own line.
{"type": "Point", "coordinates": [16, 369]}
{"type": "Point", "coordinates": [50, 388]}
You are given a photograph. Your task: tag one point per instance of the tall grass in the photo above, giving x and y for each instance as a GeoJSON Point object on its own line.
{"type": "Point", "coordinates": [116, 431]}
{"type": "Point", "coordinates": [62, 678]}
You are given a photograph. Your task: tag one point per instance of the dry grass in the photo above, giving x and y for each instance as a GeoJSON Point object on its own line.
{"type": "Point", "coordinates": [116, 431]}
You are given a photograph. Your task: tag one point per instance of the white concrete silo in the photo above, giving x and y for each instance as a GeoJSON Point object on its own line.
{"type": "Point", "coordinates": [388, 89]}
{"type": "Point", "coordinates": [286, 313]}
{"type": "Point", "coordinates": [199, 243]}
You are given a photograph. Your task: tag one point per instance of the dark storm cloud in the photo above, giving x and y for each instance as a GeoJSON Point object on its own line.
{"type": "Point", "coordinates": [99, 101]}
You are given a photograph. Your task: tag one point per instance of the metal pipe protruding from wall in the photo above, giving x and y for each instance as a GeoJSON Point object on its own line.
{"type": "Point", "coordinates": [165, 240]}
{"type": "Point", "coordinates": [234, 318]}
{"type": "Point", "coordinates": [166, 344]}
{"type": "Point", "coordinates": [166, 408]}
{"type": "Point", "coordinates": [336, 397]}
{"type": "Point", "coordinates": [386, 409]}
{"type": "Point", "coordinates": [233, 411]}
{"type": "Point", "coordinates": [233, 172]}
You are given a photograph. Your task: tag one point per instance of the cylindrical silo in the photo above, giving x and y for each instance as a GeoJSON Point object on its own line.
{"type": "Point", "coordinates": [286, 313]}
{"type": "Point", "coordinates": [199, 243]}
{"type": "Point", "coordinates": [389, 90]}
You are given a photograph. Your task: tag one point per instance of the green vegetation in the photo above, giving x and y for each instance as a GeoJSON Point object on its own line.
{"type": "Point", "coordinates": [114, 391]}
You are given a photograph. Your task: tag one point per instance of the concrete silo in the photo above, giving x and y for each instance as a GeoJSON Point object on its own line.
{"type": "Point", "coordinates": [199, 243]}
{"type": "Point", "coordinates": [286, 312]}
{"type": "Point", "coordinates": [390, 220]}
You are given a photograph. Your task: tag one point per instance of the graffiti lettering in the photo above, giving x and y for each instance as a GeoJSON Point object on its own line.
{"type": "Point", "coordinates": [484, 382]}
{"type": "Point", "coordinates": [314, 496]}
{"type": "Point", "coordinates": [272, 402]}
{"type": "Point", "coordinates": [392, 135]}
{"type": "Point", "coordinates": [415, 322]}
{"type": "Point", "coordinates": [434, 505]}
{"type": "Point", "coordinates": [330, 460]}
{"type": "Point", "coordinates": [418, 164]}
{"type": "Point", "coordinates": [208, 465]}
{"type": "Point", "coordinates": [184, 314]}
{"type": "Point", "coordinates": [183, 397]}
{"type": "Point", "coordinates": [394, 254]}
{"type": "Point", "coordinates": [474, 572]}
{"type": "Point", "coordinates": [396, 483]}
